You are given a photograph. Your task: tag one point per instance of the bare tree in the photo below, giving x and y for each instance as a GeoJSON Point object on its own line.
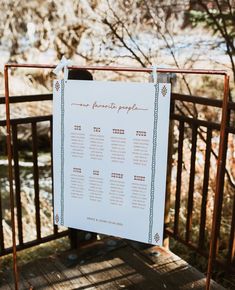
{"type": "Point", "coordinates": [219, 17]}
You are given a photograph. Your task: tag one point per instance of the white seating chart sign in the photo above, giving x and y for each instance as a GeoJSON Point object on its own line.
{"type": "Point", "coordinates": [110, 144]}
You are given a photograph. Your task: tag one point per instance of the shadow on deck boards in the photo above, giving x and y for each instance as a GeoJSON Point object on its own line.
{"type": "Point", "coordinates": [109, 264]}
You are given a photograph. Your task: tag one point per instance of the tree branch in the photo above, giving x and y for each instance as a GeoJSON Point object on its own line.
{"type": "Point", "coordinates": [167, 44]}
{"type": "Point", "coordinates": [223, 31]}
{"type": "Point", "coordinates": [105, 21]}
{"type": "Point", "coordinates": [129, 35]}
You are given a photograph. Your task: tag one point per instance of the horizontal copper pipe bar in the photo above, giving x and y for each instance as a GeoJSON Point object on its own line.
{"type": "Point", "coordinates": [127, 69]}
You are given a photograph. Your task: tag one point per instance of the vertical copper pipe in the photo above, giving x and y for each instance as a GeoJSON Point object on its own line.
{"type": "Point", "coordinates": [10, 173]}
{"type": "Point", "coordinates": [219, 178]}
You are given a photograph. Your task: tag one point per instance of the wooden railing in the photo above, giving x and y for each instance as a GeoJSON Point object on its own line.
{"type": "Point", "coordinates": [191, 190]}
{"type": "Point", "coordinates": [206, 132]}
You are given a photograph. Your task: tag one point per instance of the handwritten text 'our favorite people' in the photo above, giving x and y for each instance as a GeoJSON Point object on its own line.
{"type": "Point", "coordinates": [111, 106]}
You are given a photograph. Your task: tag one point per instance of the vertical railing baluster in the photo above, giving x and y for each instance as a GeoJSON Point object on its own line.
{"type": "Point", "coordinates": [205, 189]}
{"type": "Point", "coordinates": [179, 176]}
{"type": "Point", "coordinates": [231, 249]}
{"type": "Point", "coordinates": [36, 178]}
{"type": "Point", "coordinates": [191, 183]}
{"type": "Point", "coordinates": [17, 182]}
{"type": "Point", "coordinates": [55, 227]}
{"type": "Point", "coordinates": [2, 247]}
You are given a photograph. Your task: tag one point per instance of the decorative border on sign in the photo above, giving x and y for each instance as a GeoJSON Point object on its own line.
{"type": "Point", "coordinates": [155, 125]}
{"type": "Point", "coordinates": [164, 91]}
{"type": "Point", "coordinates": [156, 237]}
{"type": "Point", "coordinates": [57, 219]}
{"type": "Point", "coordinates": [62, 156]}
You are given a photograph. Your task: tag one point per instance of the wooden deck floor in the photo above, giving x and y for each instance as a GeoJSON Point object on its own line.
{"type": "Point", "coordinates": [109, 264]}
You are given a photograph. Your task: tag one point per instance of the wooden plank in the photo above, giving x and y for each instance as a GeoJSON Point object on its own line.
{"type": "Point", "coordinates": [127, 267]}
{"type": "Point", "coordinates": [101, 274]}
{"type": "Point", "coordinates": [151, 280]}
{"type": "Point", "coordinates": [73, 274]}
{"type": "Point", "coordinates": [100, 253]}
{"type": "Point", "coordinates": [23, 284]}
{"type": "Point", "coordinates": [177, 271]}
{"type": "Point", "coordinates": [121, 273]}
{"type": "Point", "coordinates": [55, 278]}
{"type": "Point", "coordinates": [5, 282]}
{"type": "Point", "coordinates": [34, 277]}
{"type": "Point", "coordinates": [134, 279]}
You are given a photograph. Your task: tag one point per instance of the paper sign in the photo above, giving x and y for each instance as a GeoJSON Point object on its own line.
{"type": "Point", "coordinates": [110, 144]}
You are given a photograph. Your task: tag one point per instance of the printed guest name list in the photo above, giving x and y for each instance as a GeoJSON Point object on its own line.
{"type": "Point", "coordinates": [110, 153]}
